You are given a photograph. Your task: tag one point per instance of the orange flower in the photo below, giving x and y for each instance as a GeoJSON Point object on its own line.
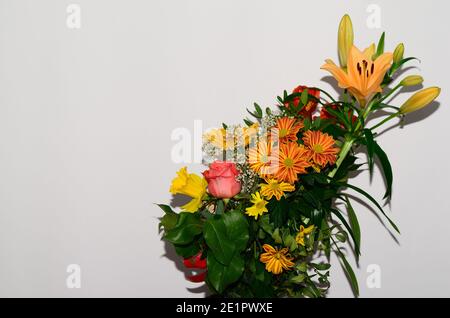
{"type": "Point", "coordinates": [288, 129]}
{"type": "Point", "coordinates": [276, 259]}
{"type": "Point", "coordinates": [363, 76]}
{"type": "Point", "coordinates": [261, 158]}
{"type": "Point", "coordinates": [320, 147]}
{"type": "Point", "coordinates": [311, 106]}
{"type": "Point", "coordinates": [293, 160]}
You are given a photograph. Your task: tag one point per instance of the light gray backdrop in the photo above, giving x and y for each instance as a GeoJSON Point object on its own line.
{"type": "Point", "coordinates": [86, 117]}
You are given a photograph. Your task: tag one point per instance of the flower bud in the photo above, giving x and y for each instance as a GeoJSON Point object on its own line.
{"type": "Point", "coordinates": [420, 99]}
{"type": "Point", "coordinates": [345, 39]}
{"type": "Point", "coordinates": [412, 80]}
{"type": "Point", "coordinates": [398, 53]}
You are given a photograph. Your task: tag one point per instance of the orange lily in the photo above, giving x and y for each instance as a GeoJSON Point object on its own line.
{"type": "Point", "coordinates": [363, 76]}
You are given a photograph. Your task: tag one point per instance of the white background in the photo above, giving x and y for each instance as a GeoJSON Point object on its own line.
{"type": "Point", "coordinates": [86, 117]}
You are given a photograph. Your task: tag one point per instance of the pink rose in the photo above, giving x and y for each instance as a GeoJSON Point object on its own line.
{"type": "Point", "coordinates": [221, 178]}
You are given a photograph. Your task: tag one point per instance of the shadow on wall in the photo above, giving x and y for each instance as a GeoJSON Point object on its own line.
{"type": "Point", "coordinates": [170, 253]}
{"type": "Point", "coordinates": [178, 261]}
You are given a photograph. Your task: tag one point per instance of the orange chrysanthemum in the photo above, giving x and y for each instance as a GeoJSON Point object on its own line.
{"type": "Point", "coordinates": [261, 158]}
{"type": "Point", "coordinates": [276, 259]}
{"type": "Point", "coordinates": [321, 147]}
{"type": "Point", "coordinates": [287, 129]}
{"type": "Point", "coordinates": [293, 160]}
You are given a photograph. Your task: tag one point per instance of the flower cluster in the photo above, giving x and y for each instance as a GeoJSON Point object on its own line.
{"type": "Point", "coordinates": [263, 219]}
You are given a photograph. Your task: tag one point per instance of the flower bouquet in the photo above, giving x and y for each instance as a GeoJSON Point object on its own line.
{"type": "Point", "coordinates": [264, 218]}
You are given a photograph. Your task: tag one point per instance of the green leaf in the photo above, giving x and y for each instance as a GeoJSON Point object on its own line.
{"type": "Point", "coordinates": [226, 235]}
{"type": "Point", "coordinates": [370, 144]}
{"type": "Point", "coordinates": [349, 229]}
{"type": "Point", "coordinates": [354, 225]}
{"type": "Point", "coordinates": [387, 169]}
{"type": "Point", "coordinates": [341, 236]}
{"type": "Point", "coordinates": [220, 276]}
{"type": "Point", "coordinates": [170, 218]}
{"type": "Point", "coordinates": [167, 209]}
{"type": "Point", "coordinates": [304, 97]}
{"type": "Point", "coordinates": [186, 229]}
{"type": "Point", "coordinates": [237, 229]}
{"type": "Point", "coordinates": [276, 236]}
{"type": "Point", "coordinates": [298, 279]}
{"type": "Point", "coordinates": [302, 267]}
{"type": "Point", "coordinates": [349, 272]}
{"type": "Point", "coordinates": [371, 199]}
{"type": "Point", "coordinates": [321, 266]}
{"type": "Point", "coordinates": [248, 122]}
{"type": "Point", "coordinates": [258, 110]}
{"type": "Point", "coordinates": [380, 47]}
{"type": "Point", "coordinates": [187, 251]}
{"type": "Point", "coordinates": [215, 233]}
{"type": "Point", "coordinates": [264, 223]}
{"type": "Point", "coordinates": [278, 212]}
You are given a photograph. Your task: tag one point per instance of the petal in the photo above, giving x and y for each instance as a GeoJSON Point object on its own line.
{"type": "Point", "coordinates": [370, 51]}
{"type": "Point", "coordinates": [269, 249]}
{"type": "Point", "coordinates": [337, 73]}
{"type": "Point", "coordinates": [193, 205]}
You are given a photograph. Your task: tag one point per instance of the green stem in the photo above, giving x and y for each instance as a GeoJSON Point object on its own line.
{"type": "Point", "coordinates": [390, 93]}
{"type": "Point", "coordinates": [392, 116]}
{"type": "Point", "coordinates": [349, 142]}
{"type": "Point", "coordinates": [344, 152]}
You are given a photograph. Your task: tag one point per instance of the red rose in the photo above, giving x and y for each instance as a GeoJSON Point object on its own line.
{"type": "Point", "coordinates": [309, 108]}
{"type": "Point", "coordinates": [221, 178]}
{"type": "Point", "coordinates": [324, 114]}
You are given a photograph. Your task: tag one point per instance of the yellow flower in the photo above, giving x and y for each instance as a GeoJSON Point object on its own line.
{"type": "Point", "coordinates": [275, 188]}
{"type": "Point", "coordinates": [300, 238]}
{"type": "Point", "coordinates": [191, 185]}
{"type": "Point", "coordinates": [220, 138]}
{"type": "Point", "coordinates": [230, 139]}
{"type": "Point", "coordinates": [412, 80]}
{"type": "Point", "coordinates": [345, 39]}
{"type": "Point", "coordinates": [276, 260]}
{"type": "Point", "coordinates": [420, 100]}
{"type": "Point", "coordinates": [363, 76]}
{"type": "Point", "coordinates": [398, 53]}
{"type": "Point", "coordinates": [258, 207]}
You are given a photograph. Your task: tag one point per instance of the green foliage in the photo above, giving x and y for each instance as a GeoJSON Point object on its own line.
{"type": "Point", "coordinates": [219, 275]}
{"type": "Point", "coordinates": [185, 230]}
{"type": "Point", "coordinates": [227, 236]}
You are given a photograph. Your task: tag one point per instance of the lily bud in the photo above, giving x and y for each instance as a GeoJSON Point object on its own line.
{"type": "Point", "coordinates": [345, 39]}
{"type": "Point", "coordinates": [420, 99]}
{"type": "Point", "coordinates": [412, 80]}
{"type": "Point", "coordinates": [398, 53]}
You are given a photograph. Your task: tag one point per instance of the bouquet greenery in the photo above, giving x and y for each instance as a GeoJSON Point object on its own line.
{"type": "Point", "coordinates": [273, 204]}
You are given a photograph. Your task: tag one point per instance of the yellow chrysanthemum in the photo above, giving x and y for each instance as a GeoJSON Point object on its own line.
{"type": "Point", "coordinates": [276, 260]}
{"type": "Point", "coordinates": [275, 188]}
{"type": "Point", "coordinates": [258, 207]}
{"type": "Point", "coordinates": [229, 139]}
{"type": "Point", "coordinates": [300, 238]}
{"type": "Point", "coordinates": [191, 185]}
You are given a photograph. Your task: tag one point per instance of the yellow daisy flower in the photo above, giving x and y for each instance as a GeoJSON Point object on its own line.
{"type": "Point", "coordinates": [258, 207]}
{"type": "Point", "coordinates": [276, 260]}
{"type": "Point", "coordinates": [275, 188]}
{"type": "Point", "coordinates": [300, 238]}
